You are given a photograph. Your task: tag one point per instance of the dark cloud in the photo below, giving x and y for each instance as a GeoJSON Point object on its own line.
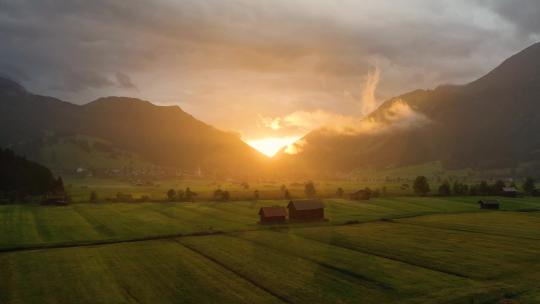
{"type": "Point", "coordinates": [241, 55]}
{"type": "Point", "coordinates": [124, 81]}
{"type": "Point", "coordinates": [525, 14]}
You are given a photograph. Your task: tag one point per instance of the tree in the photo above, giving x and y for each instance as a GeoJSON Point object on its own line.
{"type": "Point", "coordinates": [286, 194]}
{"type": "Point", "coordinates": [171, 194]}
{"type": "Point", "coordinates": [189, 195]}
{"type": "Point", "coordinates": [444, 189]}
{"type": "Point", "coordinates": [339, 192]}
{"type": "Point", "coordinates": [460, 188]}
{"type": "Point", "coordinates": [497, 188]}
{"type": "Point", "coordinates": [283, 188]}
{"type": "Point", "coordinates": [256, 194]}
{"type": "Point", "coordinates": [93, 197]}
{"type": "Point", "coordinates": [309, 189]}
{"type": "Point", "coordinates": [225, 196]}
{"type": "Point", "coordinates": [528, 186]}
{"type": "Point", "coordinates": [421, 186]}
{"type": "Point", "coordinates": [473, 190]}
{"type": "Point", "coordinates": [483, 188]}
{"type": "Point", "coordinates": [179, 195]}
{"type": "Point", "coordinates": [218, 194]}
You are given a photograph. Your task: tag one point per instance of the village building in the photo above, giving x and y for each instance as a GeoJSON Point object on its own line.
{"type": "Point", "coordinates": [509, 191]}
{"type": "Point", "coordinates": [55, 197]}
{"type": "Point", "coordinates": [360, 195]}
{"type": "Point", "coordinates": [306, 210]}
{"type": "Point", "coordinates": [273, 215]}
{"type": "Point", "coordinates": [489, 204]}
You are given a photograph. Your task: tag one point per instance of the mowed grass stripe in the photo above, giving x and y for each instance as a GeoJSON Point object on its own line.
{"type": "Point", "coordinates": [354, 275]}
{"type": "Point", "coordinates": [382, 272]}
{"type": "Point", "coordinates": [458, 253]}
{"type": "Point", "coordinates": [465, 230]}
{"type": "Point", "coordinates": [150, 272]}
{"type": "Point", "coordinates": [509, 224]}
{"type": "Point", "coordinates": [389, 257]}
{"type": "Point", "coordinates": [17, 225]}
{"type": "Point", "coordinates": [62, 224]}
{"type": "Point", "coordinates": [239, 274]}
{"type": "Point", "coordinates": [293, 278]}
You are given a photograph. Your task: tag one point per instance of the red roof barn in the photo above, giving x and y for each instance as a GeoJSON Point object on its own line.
{"type": "Point", "coordinates": [306, 210]}
{"type": "Point", "coordinates": [273, 215]}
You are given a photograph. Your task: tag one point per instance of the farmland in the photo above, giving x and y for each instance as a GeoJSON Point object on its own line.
{"type": "Point", "coordinates": [386, 250]}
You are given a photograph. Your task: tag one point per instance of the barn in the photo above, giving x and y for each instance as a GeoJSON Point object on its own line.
{"type": "Point", "coordinates": [360, 195]}
{"type": "Point", "coordinates": [306, 210]}
{"type": "Point", "coordinates": [487, 204]}
{"type": "Point", "coordinates": [273, 215]}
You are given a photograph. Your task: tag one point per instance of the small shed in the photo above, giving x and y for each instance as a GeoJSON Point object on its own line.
{"type": "Point", "coordinates": [509, 191]}
{"type": "Point", "coordinates": [54, 200]}
{"type": "Point", "coordinates": [360, 195]}
{"type": "Point", "coordinates": [273, 215]}
{"type": "Point", "coordinates": [489, 204]}
{"type": "Point", "coordinates": [306, 210]}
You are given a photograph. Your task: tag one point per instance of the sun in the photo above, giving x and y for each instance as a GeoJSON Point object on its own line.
{"type": "Point", "coordinates": [269, 146]}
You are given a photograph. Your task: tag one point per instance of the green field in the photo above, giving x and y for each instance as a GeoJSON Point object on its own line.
{"type": "Point", "coordinates": [388, 250]}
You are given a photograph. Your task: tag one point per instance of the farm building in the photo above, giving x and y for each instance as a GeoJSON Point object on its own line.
{"type": "Point", "coordinates": [306, 210]}
{"type": "Point", "coordinates": [54, 200]}
{"type": "Point", "coordinates": [509, 191]}
{"type": "Point", "coordinates": [485, 204]}
{"type": "Point", "coordinates": [273, 215]}
{"type": "Point", "coordinates": [360, 195]}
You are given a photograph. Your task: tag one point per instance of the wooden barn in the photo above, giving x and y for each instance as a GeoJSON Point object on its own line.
{"type": "Point", "coordinates": [509, 191]}
{"type": "Point", "coordinates": [273, 215]}
{"type": "Point", "coordinates": [487, 204]}
{"type": "Point", "coordinates": [360, 195]}
{"type": "Point", "coordinates": [306, 210]}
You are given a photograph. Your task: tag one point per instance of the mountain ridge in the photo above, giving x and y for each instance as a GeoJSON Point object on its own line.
{"type": "Point", "coordinates": [487, 123]}
{"type": "Point", "coordinates": [163, 135]}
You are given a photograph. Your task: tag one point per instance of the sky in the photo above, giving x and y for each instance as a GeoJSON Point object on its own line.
{"type": "Point", "coordinates": [264, 69]}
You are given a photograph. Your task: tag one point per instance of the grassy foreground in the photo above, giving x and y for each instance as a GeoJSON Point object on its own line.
{"type": "Point", "coordinates": [403, 250]}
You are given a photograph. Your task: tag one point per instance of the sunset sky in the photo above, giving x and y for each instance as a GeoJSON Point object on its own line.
{"type": "Point", "coordinates": [263, 69]}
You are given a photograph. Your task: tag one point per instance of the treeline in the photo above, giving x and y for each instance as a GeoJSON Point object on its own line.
{"type": "Point", "coordinates": [483, 188]}
{"type": "Point", "coordinates": [20, 177]}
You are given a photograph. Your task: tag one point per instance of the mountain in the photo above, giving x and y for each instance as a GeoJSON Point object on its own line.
{"type": "Point", "coordinates": [489, 123]}
{"type": "Point", "coordinates": [160, 135]}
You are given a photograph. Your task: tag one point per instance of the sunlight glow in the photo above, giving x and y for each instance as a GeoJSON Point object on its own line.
{"type": "Point", "coordinates": [269, 146]}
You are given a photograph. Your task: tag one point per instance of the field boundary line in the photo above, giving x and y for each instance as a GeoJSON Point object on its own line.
{"type": "Point", "coordinates": [342, 271]}
{"type": "Point", "coordinates": [397, 222]}
{"type": "Point", "coordinates": [240, 275]}
{"type": "Point", "coordinates": [103, 242]}
{"type": "Point", "coordinates": [391, 258]}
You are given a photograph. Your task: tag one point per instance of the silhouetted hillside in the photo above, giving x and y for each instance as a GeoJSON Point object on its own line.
{"type": "Point", "coordinates": [489, 123]}
{"type": "Point", "coordinates": [19, 177]}
{"type": "Point", "coordinates": [163, 135]}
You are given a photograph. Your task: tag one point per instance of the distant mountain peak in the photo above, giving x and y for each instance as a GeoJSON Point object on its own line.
{"type": "Point", "coordinates": [118, 99]}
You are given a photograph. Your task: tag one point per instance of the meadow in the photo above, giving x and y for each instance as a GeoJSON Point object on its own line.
{"type": "Point", "coordinates": [386, 250]}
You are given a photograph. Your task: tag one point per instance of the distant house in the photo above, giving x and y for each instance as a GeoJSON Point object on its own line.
{"type": "Point", "coordinates": [306, 210]}
{"type": "Point", "coordinates": [509, 191]}
{"type": "Point", "coordinates": [55, 199]}
{"type": "Point", "coordinates": [121, 197]}
{"type": "Point", "coordinates": [360, 195]}
{"type": "Point", "coordinates": [487, 204]}
{"type": "Point", "coordinates": [273, 215]}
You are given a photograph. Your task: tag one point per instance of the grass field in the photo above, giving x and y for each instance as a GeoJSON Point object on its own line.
{"type": "Point", "coordinates": [391, 250]}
